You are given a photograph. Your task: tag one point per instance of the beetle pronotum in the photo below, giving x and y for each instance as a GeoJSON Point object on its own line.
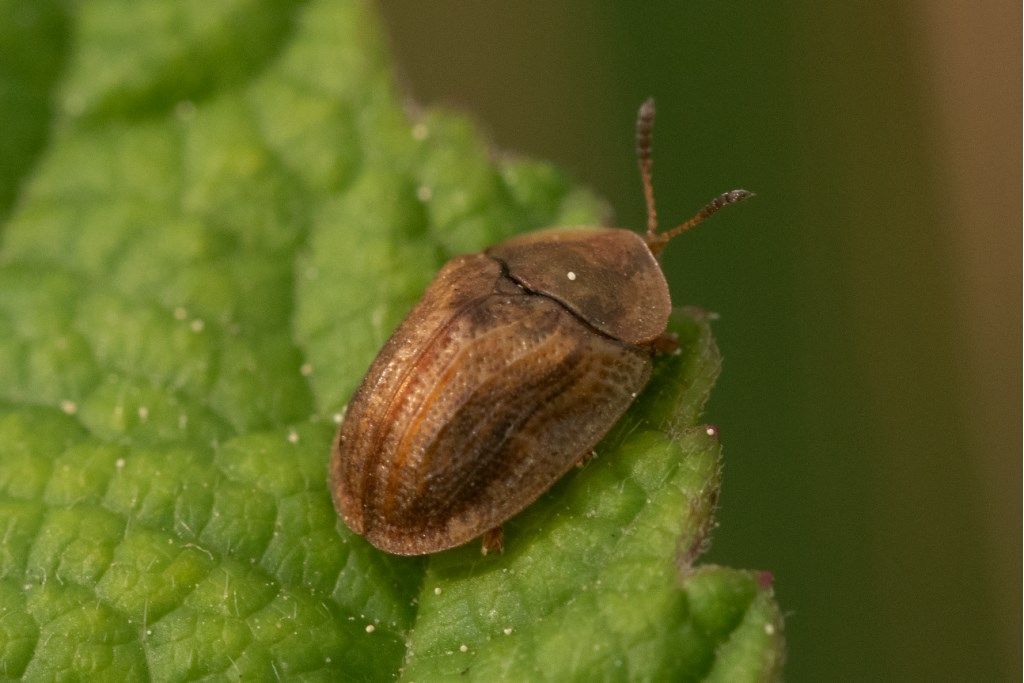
{"type": "Point", "coordinates": [508, 372]}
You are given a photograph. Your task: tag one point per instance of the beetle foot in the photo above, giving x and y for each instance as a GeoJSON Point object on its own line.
{"type": "Point", "coordinates": [666, 343]}
{"type": "Point", "coordinates": [585, 458]}
{"type": "Point", "coordinates": [492, 541]}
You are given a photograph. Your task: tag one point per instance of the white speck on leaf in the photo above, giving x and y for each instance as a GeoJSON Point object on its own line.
{"type": "Point", "coordinates": [69, 407]}
{"type": "Point", "coordinates": [377, 319]}
{"type": "Point", "coordinates": [571, 275]}
{"type": "Point", "coordinates": [74, 105]}
{"type": "Point", "coordinates": [185, 110]}
{"type": "Point", "coordinates": [197, 325]}
{"type": "Point", "coordinates": [370, 628]}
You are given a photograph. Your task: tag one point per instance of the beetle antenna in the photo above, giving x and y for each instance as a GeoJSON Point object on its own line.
{"type": "Point", "coordinates": [657, 242]}
{"type": "Point", "coordinates": [644, 129]}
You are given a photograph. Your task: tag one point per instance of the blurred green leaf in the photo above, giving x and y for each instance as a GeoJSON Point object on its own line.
{"type": "Point", "coordinates": [33, 45]}
{"type": "Point", "coordinates": [230, 214]}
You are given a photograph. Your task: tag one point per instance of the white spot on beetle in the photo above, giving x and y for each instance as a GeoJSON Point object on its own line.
{"type": "Point", "coordinates": [69, 407]}
{"type": "Point", "coordinates": [571, 275]}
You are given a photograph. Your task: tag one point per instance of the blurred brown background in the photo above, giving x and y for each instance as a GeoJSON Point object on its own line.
{"type": "Point", "coordinates": [870, 297]}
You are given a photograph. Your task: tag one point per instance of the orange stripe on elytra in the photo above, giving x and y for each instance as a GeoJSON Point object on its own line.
{"type": "Point", "coordinates": [403, 449]}
{"type": "Point", "coordinates": [373, 452]}
{"type": "Point", "coordinates": [539, 392]}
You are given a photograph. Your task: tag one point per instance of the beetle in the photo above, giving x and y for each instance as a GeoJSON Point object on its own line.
{"type": "Point", "coordinates": [506, 374]}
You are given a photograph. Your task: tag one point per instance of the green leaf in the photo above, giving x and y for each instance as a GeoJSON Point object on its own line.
{"type": "Point", "coordinates": [218, 229]}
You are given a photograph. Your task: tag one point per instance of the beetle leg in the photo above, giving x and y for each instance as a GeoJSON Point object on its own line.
{"type": "Point", "coordinates": [492, 541]}
{"type": "Point", "coordinates": [586, 457]}
{"type": "Point", "coordinates": [666, 343]}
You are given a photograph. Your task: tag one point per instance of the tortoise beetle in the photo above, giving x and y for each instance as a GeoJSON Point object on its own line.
{"type": "Point", "coordinates": [506, 374]}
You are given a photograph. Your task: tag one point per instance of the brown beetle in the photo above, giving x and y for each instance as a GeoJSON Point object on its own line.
{"type": "Point", "coordinates": [508, 372]}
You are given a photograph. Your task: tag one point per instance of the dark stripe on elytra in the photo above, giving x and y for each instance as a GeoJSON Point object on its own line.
{"type": "Point", "coordinates": [381, 428]}
{"type": "Point", "coordinates": [491, 444]}
{"type": "Point", "coordinates": [387, 504]}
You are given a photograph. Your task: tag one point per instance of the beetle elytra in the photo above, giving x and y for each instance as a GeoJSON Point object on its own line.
{"type": "Point", "coordinates": [509, 371]}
